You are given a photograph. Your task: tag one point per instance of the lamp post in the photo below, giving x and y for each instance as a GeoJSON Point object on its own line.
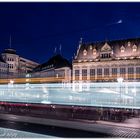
{"type": "Point", "coordinates": [120, 80]}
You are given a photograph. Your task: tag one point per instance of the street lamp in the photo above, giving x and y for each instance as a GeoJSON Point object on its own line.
{"type": "Point", "coordinates": [120, 80]}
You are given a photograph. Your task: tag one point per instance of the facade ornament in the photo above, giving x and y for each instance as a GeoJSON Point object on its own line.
{"type": "Point", "coordinates": [106, 47]}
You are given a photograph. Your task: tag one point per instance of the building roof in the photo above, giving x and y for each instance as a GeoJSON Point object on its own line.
{"type": "Point", "coordinates": [114, 47]}
{"type": "Point", "coordinates": [10, 51]}
{"type": "Point", "coordinates": [54, 62]}
{"type": "Point", "coordinates": [1, 60]}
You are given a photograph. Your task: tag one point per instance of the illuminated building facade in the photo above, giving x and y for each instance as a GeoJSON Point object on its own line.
{"type": "Point", "coordinates": [56, 67]}
{"type": "Point", "coordinates": [16, 65]}
{"type": "Point", "coordinates": [3, 68]}
{"type": "Point", "coordinates": [107, 61]}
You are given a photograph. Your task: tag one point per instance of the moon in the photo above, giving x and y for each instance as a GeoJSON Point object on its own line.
{"type": "Point", "coordinates": [120, 21]}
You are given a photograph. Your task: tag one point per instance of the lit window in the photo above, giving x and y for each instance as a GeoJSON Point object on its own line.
{"type": "Point", "coordinates": [99, 71]}
{"type": "Point", "coordinates": [129, 44]}
{"type": "Point", "coordinates": [130, 73]}
{"type": "Point", "coordinates": [84, 74]}
{"type": "Point", "coordinates": [122, 72]}
{"type": "Point", "coordinates": [138, 73]}
{"type": "Point", "coordinates": [92, 74]}
{"type": "Point", "coordinates": [122, 49]}
{"type": "Point", "coordinates": [94, 51]}
{"type": "Point", "coordinates": [84, 52]}
{"type": "Point", "coordinates": [90, 47]}
{"type": "Point", "coordinates": [134, 48]}
{"type": "Point", "coordinates": [106, 71]}
{"type": "Point", "coordinates": [114, 71]}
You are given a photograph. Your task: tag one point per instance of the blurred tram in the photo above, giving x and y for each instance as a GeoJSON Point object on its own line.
{"type": "Point", "coordinates": [68, 112]}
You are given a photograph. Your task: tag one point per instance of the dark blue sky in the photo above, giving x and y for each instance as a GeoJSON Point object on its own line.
{"type": "Point", "coordinates": [37, 28]}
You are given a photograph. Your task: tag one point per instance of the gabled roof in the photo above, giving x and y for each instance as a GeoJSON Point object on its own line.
{"type": "Point", "coordinates": [54, 62]}
{"type": "Point", "coordinates": [114, 45]}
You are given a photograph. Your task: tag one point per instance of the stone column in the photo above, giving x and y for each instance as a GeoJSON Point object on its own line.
{"type": "Point", "coordinates": [102, 73]}
{"type": "Point", "coordinates": [96, 74]}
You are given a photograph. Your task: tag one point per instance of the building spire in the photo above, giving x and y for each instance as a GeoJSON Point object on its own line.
{"type": "Point", "coordinates": [81, 40]}
{"type": "Point", "coordinates": [55, 50]}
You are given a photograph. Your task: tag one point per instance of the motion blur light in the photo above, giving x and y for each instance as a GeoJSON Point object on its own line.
{"type": "Point", "coordinates": [11, 82]}
{"type": "Point", "coordinates": [120, 80]}
{"type": "Point", "coordinates": [134, 90]}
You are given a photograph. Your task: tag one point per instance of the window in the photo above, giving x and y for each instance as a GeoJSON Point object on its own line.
{"type": "Point", "coordinates": [90, 47]}
{"type": "Point", "coordinates": [84, 74]}
{"type": "Point", "coordinates": [84, 52]}
{"type": "Point", "coordinates": [138, 73]}
{"type": "Point", "coordinates": [106, 71]}
{"type": "Point", "coordinates": [131, 70]}
{"type": "Point", "coordinates": [99, 74]}
{"type": "Point", "coordinates": [92, 74]}
{"type": "Point", "coordinates": [94, 51]}
{"type": "Point", "coordinates": [134, 48]}
{"type": "Point", "coordinates": [122, 72]}
{"type": "Point", "coordinates": [99, 71]}
{"type": "Point", "coordinates": [122, 49]}
{"type": "Point", "coordinates": [130, 73]}
{"type": "Point", "coordinates": [129, 44]}
{"type": "Point", "coordinates": [76, 74]}
{"type": "Point", "coordinates": [106, 55]}
{"type": "Point", "coordinates": [114, 71]}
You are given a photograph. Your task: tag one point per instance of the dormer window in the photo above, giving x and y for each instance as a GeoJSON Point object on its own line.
{"type": "Point", "coordinates": [94, 51]}
{"type": "Point", "coordinates": [129, 44]}
{"type": "Point", "coordinates": [90, 47]}
{"type": "Point", "coordinates": [122, 49]}
{"type": "Point", "coordinates": [84, 52]}
{"type": "Point", "coordinates": [134, 48]}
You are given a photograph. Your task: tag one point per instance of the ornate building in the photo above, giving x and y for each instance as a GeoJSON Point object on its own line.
{"type": "Point", "coordinates": [107, 61]}
{"type": "Point", "coordinates": [3, 68]}
{"type": "Point", "coordinates": [16, 65]}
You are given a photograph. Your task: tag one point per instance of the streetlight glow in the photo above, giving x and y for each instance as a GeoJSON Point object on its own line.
{"type": "Point", "coordinates": [120, 80]}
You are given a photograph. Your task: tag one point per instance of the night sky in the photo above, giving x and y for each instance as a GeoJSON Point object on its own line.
{"type": "Point", "coordinates": [38, 28]}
